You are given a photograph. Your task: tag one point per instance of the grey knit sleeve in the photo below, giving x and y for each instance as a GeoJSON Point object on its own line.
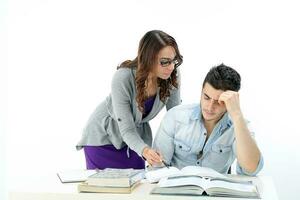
{"type": "Point", "coordinates": [121, 93]}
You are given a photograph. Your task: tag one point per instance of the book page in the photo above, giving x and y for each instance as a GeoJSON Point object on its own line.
{"type": "Point", "coordinates": [202, 171]}
{"type": "Point", "coordinates": [155, 175]}
{"type": "Point", "coordinates": [232, 186]}
{"type": "Point", "coordinates": [183, 181]}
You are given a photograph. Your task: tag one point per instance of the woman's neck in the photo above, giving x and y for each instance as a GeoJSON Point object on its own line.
{"type": "Point", "coordinates": [151, 85]}
{"type": "Point", "coordinates": [151, 77]}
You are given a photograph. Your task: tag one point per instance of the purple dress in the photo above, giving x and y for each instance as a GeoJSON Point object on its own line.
{"type": "Point", "coordinates": [107, 156]}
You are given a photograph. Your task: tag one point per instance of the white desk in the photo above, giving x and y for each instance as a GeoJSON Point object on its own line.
{"type": "Point", "coordinates": [50, 188]}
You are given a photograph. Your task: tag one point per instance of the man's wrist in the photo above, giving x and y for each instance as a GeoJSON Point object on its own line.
{"type": "Point", "coordinates": [237, 116]}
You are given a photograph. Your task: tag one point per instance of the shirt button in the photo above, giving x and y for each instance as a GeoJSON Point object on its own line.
{"type": "Point", "coordinates": [180, 146]}
{"type": "Point", "coordinates": [221, 151]}
{"type": "Point", "coordinates": [198, 163]}
{"type": "Point", "coordinates": [119, 119]}
{"type": "Point", "coordinates": [205, 134]}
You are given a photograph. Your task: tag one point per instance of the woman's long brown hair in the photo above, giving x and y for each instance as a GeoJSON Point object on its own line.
{"type": "Point", "coordinates": [150, 45]}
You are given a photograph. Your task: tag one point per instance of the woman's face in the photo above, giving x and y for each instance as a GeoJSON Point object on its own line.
{"type": "Point", "coordinates": [165, 63]}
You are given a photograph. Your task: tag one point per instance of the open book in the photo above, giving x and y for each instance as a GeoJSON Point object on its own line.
{"type": "Point", "coordinates": [155, 175]}
{"type": "Point", "coordinates": [195, 185]}
{"type": "Point", "coordinates": [194, 180]}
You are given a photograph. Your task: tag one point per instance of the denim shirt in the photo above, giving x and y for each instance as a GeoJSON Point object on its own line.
{"type": "Point", "coordinates": [181, 141]}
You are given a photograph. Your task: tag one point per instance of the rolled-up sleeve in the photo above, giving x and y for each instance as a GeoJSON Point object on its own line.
{"type": "Point", "coordinates": [240, 170]}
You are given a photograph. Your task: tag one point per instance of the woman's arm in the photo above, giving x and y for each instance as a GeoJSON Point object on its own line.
{"type": "Point", "coordinates": [121, 94]}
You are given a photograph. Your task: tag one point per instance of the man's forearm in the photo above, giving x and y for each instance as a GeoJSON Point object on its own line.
{"type": "Point", "coordinates": [248, 154]}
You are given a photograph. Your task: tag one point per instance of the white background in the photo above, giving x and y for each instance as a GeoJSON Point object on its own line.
{"type": "Point", "coordinates": [58, 58]}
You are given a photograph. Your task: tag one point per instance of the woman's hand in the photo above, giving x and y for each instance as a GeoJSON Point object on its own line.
{"type": "Point", "coordinates": [152, 157]}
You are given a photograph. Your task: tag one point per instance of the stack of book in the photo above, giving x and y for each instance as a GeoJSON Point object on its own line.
{"type": "Point", "coordinates": [112, 181]}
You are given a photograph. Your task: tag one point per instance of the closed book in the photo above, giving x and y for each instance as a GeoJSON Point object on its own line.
{"type": "Point", "coordinates": [115, 177]}
{"type": "Point", "coordinates": [85, 187]}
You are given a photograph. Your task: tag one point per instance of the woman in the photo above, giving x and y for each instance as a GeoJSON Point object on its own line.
{"type": "Point", "coordinates": [118, 134]}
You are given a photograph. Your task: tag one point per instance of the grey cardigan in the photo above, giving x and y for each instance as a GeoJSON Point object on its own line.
{"type": "Point", "coordinates": [118, 121]}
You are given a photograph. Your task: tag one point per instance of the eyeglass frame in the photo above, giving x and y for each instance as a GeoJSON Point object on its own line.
{"type": "Point", "coordinates": [177, 61]}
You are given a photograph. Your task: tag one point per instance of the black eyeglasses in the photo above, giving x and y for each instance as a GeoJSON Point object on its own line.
{"type": "Point", "coordinates": [165, 62]}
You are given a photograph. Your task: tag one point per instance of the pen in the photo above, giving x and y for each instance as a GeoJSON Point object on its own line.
{"type": "Point", "coordinates": [165, 164]}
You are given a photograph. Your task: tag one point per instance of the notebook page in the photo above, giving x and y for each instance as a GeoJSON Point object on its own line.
{"type": "Point", "coordinates": [77, 175]}
{"type": "Point", "coordinates": [155, 175]}
{"type": "Point", "coordinates": [202, 171]}
{"type": "Point", "coordinates": [181, 181]}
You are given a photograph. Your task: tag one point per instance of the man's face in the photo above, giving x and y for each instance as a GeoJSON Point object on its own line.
{"type": "Point", "coordinates": [210, 107]}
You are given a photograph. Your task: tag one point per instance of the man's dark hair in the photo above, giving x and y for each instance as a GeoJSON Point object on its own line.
{"type": "Point", "coordinates": [224, 78]}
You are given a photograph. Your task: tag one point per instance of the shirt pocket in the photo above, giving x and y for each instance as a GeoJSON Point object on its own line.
{"type": "Point", "coordinates": [220, 149]}
{"type": "Point", "coordinates": [181, 149]}
{"type": "Point", "coordinates": [219, 156]}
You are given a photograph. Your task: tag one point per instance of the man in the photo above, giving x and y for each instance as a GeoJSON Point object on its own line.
{"type": "Point", "coordinates": [212, 134]}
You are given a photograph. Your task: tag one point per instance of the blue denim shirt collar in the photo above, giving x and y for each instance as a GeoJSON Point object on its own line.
{"type": "Point", "coordinates": [196, 113]}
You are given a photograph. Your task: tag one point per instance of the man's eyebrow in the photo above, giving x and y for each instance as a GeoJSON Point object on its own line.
{"type": "Point", "coordinates": [207, 96]}
{"type": "Point", "coordinates": [210, 97]}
